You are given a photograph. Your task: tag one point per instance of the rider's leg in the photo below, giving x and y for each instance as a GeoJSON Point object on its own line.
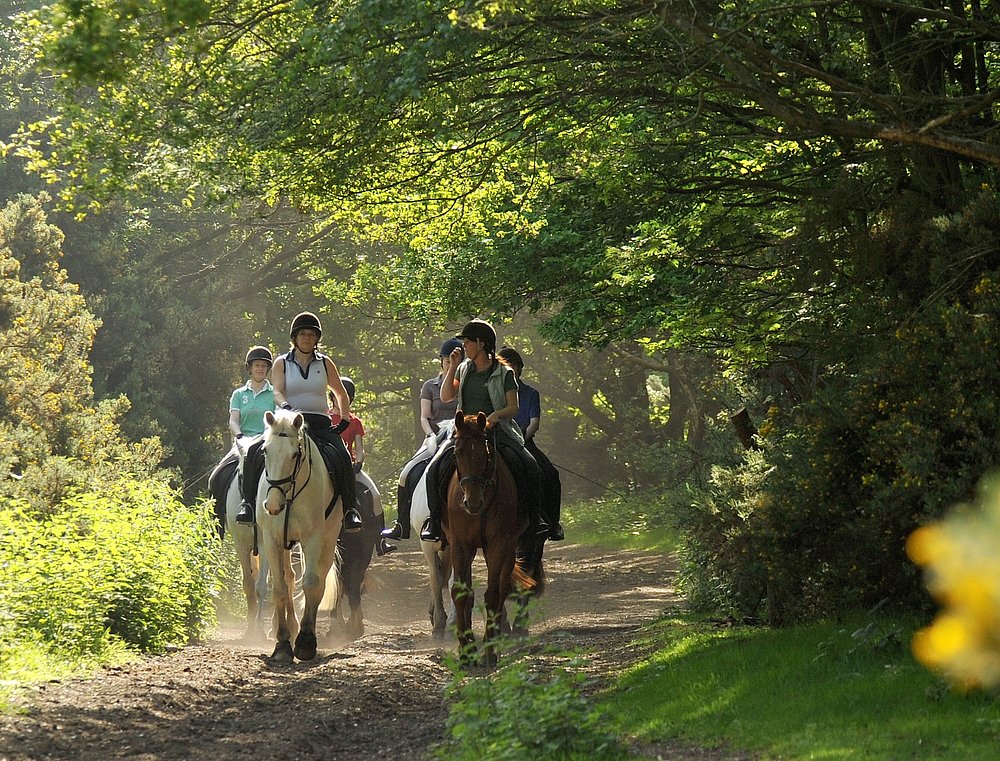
{"type": "Point", "coordinates": [438, 472]}
{"type": "Point", "coordinates": [531, 482]}
{"type": "Point", "coordinates": [404, 497]}
{"type": "Point", "coordinates": [551, 501]}
{"type": "Point", "coordinates": [253, 466]}
{"type": "Point", "coordinates": [342, 469]}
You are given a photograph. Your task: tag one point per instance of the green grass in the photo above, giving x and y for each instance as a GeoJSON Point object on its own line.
{"type": "Point", "coordinates": [830, 692]}
{"type": "Point", "coordinates": [635, 523]}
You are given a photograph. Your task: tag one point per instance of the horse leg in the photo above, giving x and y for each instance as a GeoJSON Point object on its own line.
{"type": "Point", "coordinates": [463, 597]}
{"type": "Point", "coordinates": [437, 581]}
{"type": "Point", "coordinates": [500, 567]}
{"type": "Point", "coordinates": [284, 614]}
{"type": "Point", "coordinates": [318, 561]}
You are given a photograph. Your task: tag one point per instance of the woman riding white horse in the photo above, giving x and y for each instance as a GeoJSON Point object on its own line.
{"type": "Point", "coordinates": [301, 379]}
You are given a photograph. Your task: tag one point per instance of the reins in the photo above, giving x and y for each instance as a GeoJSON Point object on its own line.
{"type": "Point", "coordinates": [290, 495]}
{"type": "Point", "coordinates": [487, 481]}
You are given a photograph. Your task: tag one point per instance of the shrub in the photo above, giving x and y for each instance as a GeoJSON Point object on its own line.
{"type": "Point", "coordinates": [130, 567]}
{"type": "Point", "coordinates": [524, 711]}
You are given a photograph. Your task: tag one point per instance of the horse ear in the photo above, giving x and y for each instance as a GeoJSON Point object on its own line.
{"type": "Point", "coordinates": [269, 417]}
{"type": "Point", "coordinates": [481, 421]}
{"type": "Point", "coordinates": [459, 418]}
{"type": "Point", "coordinates": [299, 420]}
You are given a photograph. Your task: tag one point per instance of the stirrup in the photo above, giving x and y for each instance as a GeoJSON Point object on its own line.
{"type": "Point", "coordinates": [382, 547]}
{"type": "Point", "coordinates": [352, 521]}
{"type": "Point", "coordinates": [245, 516]}
{"type": "Point", "coordinates": [394, 532]}
{"type": "Point", "coordinates": [427, 533]}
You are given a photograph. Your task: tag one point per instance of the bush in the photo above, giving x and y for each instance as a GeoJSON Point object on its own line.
{"type": "Point", "coordinates": [129, 568]}
{"type": "Point", "coordinates": [524, 711]}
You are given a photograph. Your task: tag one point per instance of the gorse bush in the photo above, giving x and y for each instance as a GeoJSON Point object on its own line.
{"type": "Point", "coordinates": [524, 710]}
{"type": "Point", "coordinates": [129, 568]}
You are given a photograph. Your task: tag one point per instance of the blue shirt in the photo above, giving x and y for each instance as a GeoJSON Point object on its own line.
{"type": "Point", "coordinates": [529, 405]}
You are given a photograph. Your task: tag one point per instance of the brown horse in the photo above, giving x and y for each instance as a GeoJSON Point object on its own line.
{"type": "Point", "coordinates": [482, 513]}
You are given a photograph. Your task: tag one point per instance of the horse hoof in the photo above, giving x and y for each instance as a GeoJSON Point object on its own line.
{"type": "Point", "coordinates": [305, 646]}
{"type": "Point", "coordinates": [282, 652]}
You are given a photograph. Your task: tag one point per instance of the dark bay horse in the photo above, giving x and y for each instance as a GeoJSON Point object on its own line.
{"type": "Point", "coordinates": [482, 513]}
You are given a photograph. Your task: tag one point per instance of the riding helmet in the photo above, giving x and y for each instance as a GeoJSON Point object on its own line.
{"type": "Point", "coordinates": [305, 320]}
{"type": "Point", "coordinates": [259, 352]}
{"type": "Point", "coordinates": [348, 386]}
{"type": "Point", "coordinates": [480, 330]}
{"type": "Point", "coordinates": [449, 346]}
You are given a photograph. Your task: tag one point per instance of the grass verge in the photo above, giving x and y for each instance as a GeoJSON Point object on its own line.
{"type": "Point", "coordinates": [640, 522]}
{"type": "Point", "coordinates": [836, 691]}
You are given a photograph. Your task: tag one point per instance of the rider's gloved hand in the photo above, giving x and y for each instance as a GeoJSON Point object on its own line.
{"type": "Point", "coordinates": [357, 467]}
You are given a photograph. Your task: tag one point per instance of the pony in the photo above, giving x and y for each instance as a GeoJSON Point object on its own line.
{"type": "Point", "coordinates": [254, 568]}
{"type": "Point", "coordinates": [355, 550]}
{"type": "Point", "coordinates": [224, 485]}
{"type": "Point", "coordinates": [297, 502]}
{"type": "Point", "coordinates": [482, 513]}
{"type": "Point", "coordinates": [436, 556]}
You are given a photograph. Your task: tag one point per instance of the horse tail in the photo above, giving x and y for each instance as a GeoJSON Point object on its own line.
{"type": "Point", "coordinates": [333, 585]}
{"type": "Point", "coordinates": [522, 579]}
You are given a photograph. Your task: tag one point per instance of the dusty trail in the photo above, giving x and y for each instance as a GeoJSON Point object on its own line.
{"type": "Point", "coordinates": [381, 697]}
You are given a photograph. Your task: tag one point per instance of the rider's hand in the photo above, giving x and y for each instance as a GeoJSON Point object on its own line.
{"type": "Point", "coordinates": [285, 406]}
{"type": "Point", "coordinates": [357, 467]}
{"type": "Point", "coordinates": [341, 426]}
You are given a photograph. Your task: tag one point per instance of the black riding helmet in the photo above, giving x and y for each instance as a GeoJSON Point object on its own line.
{"type": "Point", "coordinates": [259, 352]}
{"type": "Point", "coordinates": [449, 346]}
{"type": "Point", "coordinates": [480, 330]}
{"type": "Point", "coordinates": [305, 320]}
{"type": "Point", "coordinates": [348, 387]}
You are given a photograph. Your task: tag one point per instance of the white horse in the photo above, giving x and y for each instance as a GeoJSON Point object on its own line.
{"type": "Point", "coordinates": [438, 560]}
{"type": "Point", "coordinates": [296, 502]}
{"type": "Point", "coordinates": [254, 568]}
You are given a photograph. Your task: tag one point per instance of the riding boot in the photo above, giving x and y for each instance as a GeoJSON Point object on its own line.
{"type": "Point", "coordinates": [401, 528]}
{"type": "Point", "coordinates": [382, 547]}
{"type": "Point", "coordinates": [556, 533]}
{"type": "Point", "coordinates": [352, 520]}
{"type": "Point", "coordinates": [431, 530]}
{"type": "Point", "coordinates": [245, 515]}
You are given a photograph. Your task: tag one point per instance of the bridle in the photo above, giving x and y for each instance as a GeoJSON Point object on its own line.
{"type": "Point", "coordinates": [279, 483]}
{"type": "Point", "coordinates": [490, 476]}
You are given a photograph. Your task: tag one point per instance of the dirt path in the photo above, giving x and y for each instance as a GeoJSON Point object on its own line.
{"type": "Point", "coordinates": [381, 697]}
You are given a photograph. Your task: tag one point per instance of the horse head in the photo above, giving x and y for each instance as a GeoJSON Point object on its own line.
{"type": "Point", "coordinates": [474, 462]}
{"type": "Point", "coordinates": [284, 450]}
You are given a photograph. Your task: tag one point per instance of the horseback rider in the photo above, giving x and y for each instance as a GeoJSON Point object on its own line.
{"type": "Point", "coordinates": [300, 379]}
{"type": "Point", "coordinates": [483, 384]}
{"type": "Point", "coordinates": [247, 406]}
{"type": "Point", "coordinates": [528, 417]}
{"type": "Point", "coordinates": [433, 412]}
